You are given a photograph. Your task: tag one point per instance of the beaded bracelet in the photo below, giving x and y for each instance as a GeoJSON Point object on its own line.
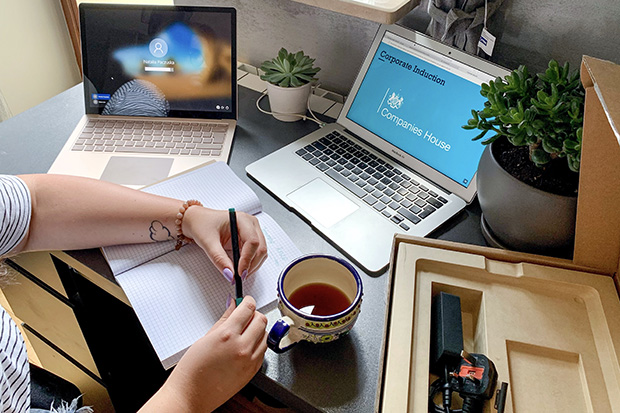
{"type": "Point", "coordinates": [182, 239]}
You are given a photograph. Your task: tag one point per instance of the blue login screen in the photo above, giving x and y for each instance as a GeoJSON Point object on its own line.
{"type": "Point", "coordinates": [419, 108]}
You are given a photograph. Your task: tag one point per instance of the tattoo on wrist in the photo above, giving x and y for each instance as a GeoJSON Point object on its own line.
{"type": "Point", "coordinates": [159, 232]}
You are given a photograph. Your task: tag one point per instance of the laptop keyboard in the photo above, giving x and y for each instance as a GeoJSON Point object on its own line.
{"type": "Point", "coordinates": [152, 137]}
{"type": "Point", "coordinates": [394, 194]}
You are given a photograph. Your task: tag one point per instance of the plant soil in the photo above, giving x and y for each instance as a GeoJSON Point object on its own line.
{"type": "Point", "coordinates": [555, 177]}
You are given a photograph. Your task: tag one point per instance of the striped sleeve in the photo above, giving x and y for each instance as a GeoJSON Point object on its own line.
{"type": "Point", "coordinates": [14, 368]}
{"type": "Point", "coordinates": [15, 212]}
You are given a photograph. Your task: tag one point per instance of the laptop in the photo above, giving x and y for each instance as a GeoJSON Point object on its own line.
{"type": "Point", "coordinates": [396, 160]}
{"type": "Point", "coordinates": [160, 92]}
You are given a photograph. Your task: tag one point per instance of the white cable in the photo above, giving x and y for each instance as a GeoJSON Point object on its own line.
{"type": "Point", "coordinates": [485, 13]}
{"type": "Point", "coordinates": [313, 117]}
{"type": "Point", "coordinates": [310, 110]}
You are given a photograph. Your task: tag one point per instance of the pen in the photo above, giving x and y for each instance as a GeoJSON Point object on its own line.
{"type": "Point", "coordinates": [234, 240]}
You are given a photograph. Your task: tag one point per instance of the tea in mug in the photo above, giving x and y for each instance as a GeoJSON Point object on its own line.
{"type": "Point", "coordinates": [319, 299]}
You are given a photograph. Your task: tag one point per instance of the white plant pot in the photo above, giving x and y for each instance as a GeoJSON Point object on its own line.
{"type": "Point", "coordinates": [284, 101]}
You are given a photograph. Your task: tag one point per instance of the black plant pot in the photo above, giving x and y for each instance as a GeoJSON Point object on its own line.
{"type": "Point", "coordinates": [520, 217]}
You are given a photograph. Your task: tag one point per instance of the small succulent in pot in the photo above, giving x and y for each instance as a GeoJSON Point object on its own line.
{"type": "Point", "coordinates": [544, 112]}
{"type": "Point", "coordinates": [289, 69]}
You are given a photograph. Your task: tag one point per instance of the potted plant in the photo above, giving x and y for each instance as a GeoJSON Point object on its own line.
{"type": "Point", "coordinates": [289, 77]}
{"type": "Point", "coordinates": [528, 175]}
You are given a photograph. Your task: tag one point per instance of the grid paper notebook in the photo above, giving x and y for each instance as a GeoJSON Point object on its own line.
{"type": "Point", "coordinates": [179, 295]}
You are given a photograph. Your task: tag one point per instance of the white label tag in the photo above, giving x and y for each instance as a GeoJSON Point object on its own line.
{"type": "Point", "coordinates": [486, 42]}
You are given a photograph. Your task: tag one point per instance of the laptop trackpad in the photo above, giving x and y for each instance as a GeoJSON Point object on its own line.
{"type": "Point", "coordinates": [322, 202]}
{"type": "Point", "coordinates": [127, 170]}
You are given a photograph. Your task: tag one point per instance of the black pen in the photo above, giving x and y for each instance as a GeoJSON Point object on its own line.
{"type": "Point", "coordinates": [234, 240]}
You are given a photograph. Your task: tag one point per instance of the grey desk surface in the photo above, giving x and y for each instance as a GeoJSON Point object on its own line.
{"type": "Point", "coordinates": [338, 377]}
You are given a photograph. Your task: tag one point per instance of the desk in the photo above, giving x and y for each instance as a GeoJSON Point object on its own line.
{"type": "Point", "coordinates": [336, 377]}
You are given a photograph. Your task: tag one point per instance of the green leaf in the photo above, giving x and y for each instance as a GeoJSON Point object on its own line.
{"type": "Point", "coordinates": [570, 145]}
{"type": "Point", "coordinates": [550, 146]}
{"type": "Point", "coordinates": [279, 65]}
{"type": "Point", "coordinates": [484, 89]}
{"type": "Point", "coordinates": [480, 135]}
{"type": "Point", "coordinates": [275, 78]}
{"type": "Point", "coordinates": [491, 139]}
{"type": "Point", "coordinates": [471, 124]}
{"type": "Point", "coordinates": [283, 54]}
{"type": "Point", "coordinates": [299, 56]}
{"type": "Point", "coordinates": [540, 157]}
{"type": "Point", "coordinates": [573, 163]}
{"type": "Point", "coordinates": [518, 139]}
{"type": "Point", "coordinates": [305, 78]}
{"type": "Point", "coordinates": [287, 66]}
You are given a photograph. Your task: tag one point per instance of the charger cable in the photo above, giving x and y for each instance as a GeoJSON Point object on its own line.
{"type": "Point", "coordinates": [312, 117]}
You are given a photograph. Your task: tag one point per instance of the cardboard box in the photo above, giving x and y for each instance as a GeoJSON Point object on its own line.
{"type": "Point", "coordinates": [597, 232]}
{"type": "Point", "coordinates": [551, 326]}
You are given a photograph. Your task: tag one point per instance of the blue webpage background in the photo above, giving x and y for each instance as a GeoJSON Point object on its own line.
{"type": "Point", "coordinates": [428, 106]}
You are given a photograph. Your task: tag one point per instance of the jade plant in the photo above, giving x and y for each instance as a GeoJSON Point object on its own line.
{"type": "Point", "coordinates": [289, 69]}
{"type": "Point", "coordinates": [544, 112]}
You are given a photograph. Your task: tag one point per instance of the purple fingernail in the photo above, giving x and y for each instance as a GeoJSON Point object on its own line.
{"type": "Point", "coordinates": [229, 300]}
{"type": "Point", "coordinates": [228, 274]}
{"type": "Point", "coordinates": [244, 275]}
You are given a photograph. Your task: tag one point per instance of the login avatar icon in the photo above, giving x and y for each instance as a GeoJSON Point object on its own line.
{"type": "Point", "coordinates": [158, 47]}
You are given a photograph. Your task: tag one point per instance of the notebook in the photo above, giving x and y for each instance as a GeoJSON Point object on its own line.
{"type": "Point", "coordinates": [179, 295]}
{"type": "Point", "coordinates": [396, 160]}
{"type": "Point", "coordinates": [160, 92]}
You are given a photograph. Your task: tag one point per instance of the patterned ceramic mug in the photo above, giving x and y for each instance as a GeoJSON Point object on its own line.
{"type": "Point", "coordinates": [319, 297]}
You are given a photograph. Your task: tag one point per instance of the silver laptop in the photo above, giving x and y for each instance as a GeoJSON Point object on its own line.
{"type": "Point", "coordinates": [160, 92]}
{"type": "Point", "coordinates": [397, 159]}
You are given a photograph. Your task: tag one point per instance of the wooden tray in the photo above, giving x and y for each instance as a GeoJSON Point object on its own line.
{"type": "Point", "coordinates": [551, 328]}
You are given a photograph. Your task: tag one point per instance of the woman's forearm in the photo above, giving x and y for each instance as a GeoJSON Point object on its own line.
{"type": "Point", "coordinates": [72, 212]}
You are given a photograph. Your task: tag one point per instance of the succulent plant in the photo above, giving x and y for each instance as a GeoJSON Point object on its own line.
{"type": "Point", "coordinates": [289, 69]}
{"type": "Point", "coordinates": [544, 112]}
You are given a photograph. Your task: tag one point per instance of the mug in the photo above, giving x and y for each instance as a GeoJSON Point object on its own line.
{"type": "Point", "coordinates": [319, 297]}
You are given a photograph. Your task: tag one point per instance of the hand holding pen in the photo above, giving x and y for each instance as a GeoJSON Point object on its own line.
{"type": "Point", "coordinates": [211, 230]}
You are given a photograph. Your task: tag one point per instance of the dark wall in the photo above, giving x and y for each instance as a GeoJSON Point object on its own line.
{"type": "Point", "coordinates": [532, 32]}
{"type": "Point", "coordinates": [528, 32]}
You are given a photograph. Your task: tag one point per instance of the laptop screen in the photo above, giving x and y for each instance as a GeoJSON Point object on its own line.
{"type": "Point", "coordinates": [417, 99]}
{"type": "Point", "coordinates": [159, 61]}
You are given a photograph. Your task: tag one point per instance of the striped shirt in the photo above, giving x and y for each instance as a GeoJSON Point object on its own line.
{"type": "Point", "coordinates": [14, 212]}
{"type": "Point", "coordinates": [15, 207]}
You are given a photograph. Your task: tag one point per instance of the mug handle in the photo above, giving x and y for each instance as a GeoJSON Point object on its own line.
{"type": "Point", "coordinates": [279, 339]}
